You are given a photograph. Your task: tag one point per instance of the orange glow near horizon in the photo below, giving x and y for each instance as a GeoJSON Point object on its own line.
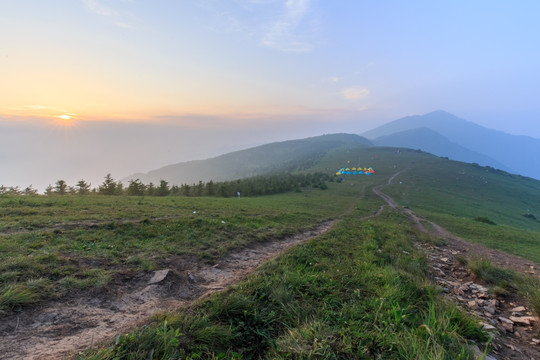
{"type": "Point", "coordinates": [213, 115]}
{"type": "Point", "coordinates": [66, 120]}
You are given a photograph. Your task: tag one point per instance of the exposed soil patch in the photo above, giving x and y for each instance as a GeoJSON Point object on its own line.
{"type": "Point", "coordinates": [59, 329]}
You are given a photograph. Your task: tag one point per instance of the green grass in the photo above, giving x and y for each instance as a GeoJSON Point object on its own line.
{"type": "Point", "coordinates": [374, 302]}
{"type": "Point", "coordinates": [359, 291]}
{"type": "Point", "coordinates": [492, 275]}
{"type": "Point", "coordinates": [58, 255]}
{"type": "Point", "coordinates": [479, 204]}
{"type": "Point", "coordinates": [453, 188]}
{"type": "Point", "coordinates": [14, 297]}
{"type": "Point", "coordinates": [505, 281]}
{"type": "Point", "coordinates": [524, 243]}
{"type": "Point", "coordinates": [37, 212]}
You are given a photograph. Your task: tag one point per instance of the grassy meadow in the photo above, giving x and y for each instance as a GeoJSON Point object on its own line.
{"type": "Point", "coordinates": [50, 245]}
{"type": "Point", "coordinates": [374, 302]}
{"type": "Point", "coordinates": [360, 291]}
{"type": "Point", "coordinates": [455, 195]}
{"type": "Point", "coordinates": [479, 204]}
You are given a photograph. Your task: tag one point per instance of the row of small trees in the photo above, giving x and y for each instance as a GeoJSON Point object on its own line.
{"type": "Point", "coordinates": [108, 187]}
{"type": "Point", "coordinates": [258, 185]}
{"type": "Point", "coordinates": [15, 190]}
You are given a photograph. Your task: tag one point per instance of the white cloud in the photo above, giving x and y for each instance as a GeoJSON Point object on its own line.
{"type": "Point", "coordinates": [335, 79]}
{"type": "Point", "coordinates": [355, 93]}
{"type": "Point", "coordinates": [119, 18]}
{"type": "Point", "coordinates": [285, 33]}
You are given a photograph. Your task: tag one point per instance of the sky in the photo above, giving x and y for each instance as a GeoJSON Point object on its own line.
{"type": "Point", "coordinates": [90, 87]}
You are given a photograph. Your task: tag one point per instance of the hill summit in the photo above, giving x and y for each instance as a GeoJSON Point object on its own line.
{"type": "Point", "coordinates": [444, 134]}
{"type": "Point", "coordinates": [438, 132]}
{"type": "Point", "coordinates": [274, 157]}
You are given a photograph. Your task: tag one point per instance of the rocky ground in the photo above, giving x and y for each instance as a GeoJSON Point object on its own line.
{"type": "Point", "coordinates": [514, 327]}
{"type": "Point", "coordinates": [512, 324]}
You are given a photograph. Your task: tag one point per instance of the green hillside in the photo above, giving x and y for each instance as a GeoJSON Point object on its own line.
{"type": "Point", "coordinates": [454, 194]}
{"type": "Point", "coordinates": [448, 192]}
{"type": "Point", "coordinates": [279, 156]}
{"type": "Point", "coordinates": [358, 291]}
{"type": "Point", "coordinates": [439, 185]}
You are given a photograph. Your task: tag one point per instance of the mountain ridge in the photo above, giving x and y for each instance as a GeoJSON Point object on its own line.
{"type": "Point", "coordinates": [432, 142]}
{"type": "Point", "coordinates": [517, 152]}
{"type": "Point", "coordinates": [438, 132]}
{"type": "Point", "coordinates": [273, 157]}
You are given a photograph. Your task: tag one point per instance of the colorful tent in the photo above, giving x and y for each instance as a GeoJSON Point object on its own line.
{"type": "Point", "coordinates": [355, 171]}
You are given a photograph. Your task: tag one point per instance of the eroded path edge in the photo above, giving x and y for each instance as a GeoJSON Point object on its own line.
{"type": "Point", "coordinates": [508, 318]}
{"type": "Point", "coordinates": [61, 329]}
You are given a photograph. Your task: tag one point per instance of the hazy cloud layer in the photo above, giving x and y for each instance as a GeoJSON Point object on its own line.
{"type": "Point", "coordinates": [40, 151]}
{"type": "Point", "coordinates": [355, 93]}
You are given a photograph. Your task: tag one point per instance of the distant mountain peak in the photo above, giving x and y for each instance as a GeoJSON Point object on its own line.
{"type": "Point", "coordinates": [428, 140]}
{"type": "Point", "coordinates": [439, 120]}
{"type": "Point", "coordinates": [439, 113]}
{"type": "Point", "coordinates": [519, 153]}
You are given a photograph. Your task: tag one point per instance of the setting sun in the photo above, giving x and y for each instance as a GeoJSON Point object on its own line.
{"type": "Point", "coordinates": [66, 119]}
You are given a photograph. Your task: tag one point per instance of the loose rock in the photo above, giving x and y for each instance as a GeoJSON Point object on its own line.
{"type": "Point", "coordinates": [159, 276]}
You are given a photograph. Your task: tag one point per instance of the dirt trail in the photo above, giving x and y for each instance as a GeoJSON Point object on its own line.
{"type": "Point", "coordinates": [499, 258]}
{"type": "Point", "coordinates": [514, 339]}
{"type": "Point", "coordinates": [60, 329]}
{"type": "Point", "coordinates": [394, 205]}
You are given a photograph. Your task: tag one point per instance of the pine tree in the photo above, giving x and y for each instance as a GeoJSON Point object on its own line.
{"type": "Point", "coordinates": [108, 187]}
{"type": "Point", "coordinates": [163, 189]}
{"type": "Point", "coordinates": [83, 188]}
{"type": "Point", "coordinates": [136, 188]}
{"type": "Point", "coordinates": [29, 191]}
{"type": "Point", "coordinates": [60, 187]}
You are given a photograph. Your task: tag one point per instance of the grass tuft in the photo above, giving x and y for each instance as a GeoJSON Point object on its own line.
{"type": "Point", "coordinates": [492, 275]}
{"type": "Point", "coordinates": [13, 297]}
{"type": "Point", "coordinates": [505, 281]}
{"type": "Point", "coordinates": [534, 297]}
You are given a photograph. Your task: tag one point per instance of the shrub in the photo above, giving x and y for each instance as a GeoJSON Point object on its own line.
{"type": "Point", "coordinates": [484, 220]}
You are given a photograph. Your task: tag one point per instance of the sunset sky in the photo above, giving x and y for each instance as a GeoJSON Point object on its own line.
{"type": "Point", "coordinates": [89, 87]}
